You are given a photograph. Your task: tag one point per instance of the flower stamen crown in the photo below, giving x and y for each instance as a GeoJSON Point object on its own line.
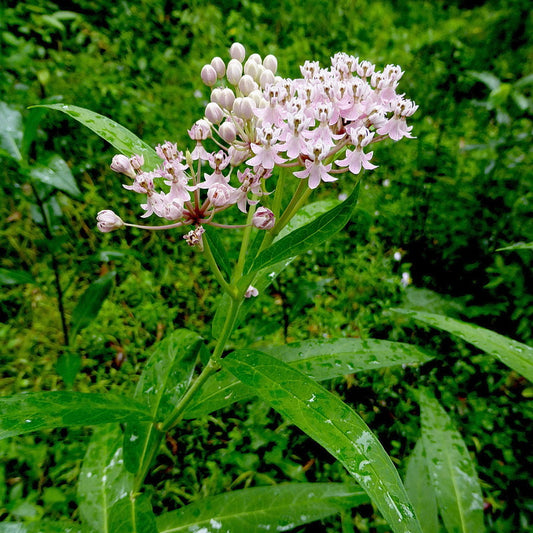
{"type": "Point", "coordinates": [317, 125]}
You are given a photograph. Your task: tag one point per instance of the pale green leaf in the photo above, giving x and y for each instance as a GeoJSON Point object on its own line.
{"type": "Point", "coordinates": [517, 246]}
{"type": "Point", "coordinates": [420, 490]}
{"type": "Point", "coordinates": [11, 131]}
{"type": "Point", "coordinates": [451, 470]}
{"type": "Point", "coordinates": [512, 353]}
{"type": "Point", "coordinates": [334, 425]}
{"type": "Point", "coordinates": [319, 359]}
{"type": "Point", "coordinates": [43, 526]}
{"type": "Point", "coordinates": [278, 508]}
{"type": "Point", "coordinates": [103, 480]}
{"type": "Point", "coordinates": [106, 499]}
{"type": "Point", "coordinates": [56, 173]}
{"type": "Point", "coordinates": [118, 136]}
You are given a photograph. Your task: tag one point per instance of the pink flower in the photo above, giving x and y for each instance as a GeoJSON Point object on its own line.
{"type": "Point", "coordinates": [314, 169]}
{"type": "Point", "coordinates": [266, 153]}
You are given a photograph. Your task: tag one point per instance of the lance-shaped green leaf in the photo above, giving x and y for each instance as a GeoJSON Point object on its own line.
{"type": "Point", "coordinates": [56, 173]}
{"type": "Point", "coordinates": [308, 236]}
{"type": "Point", "coordinates": [164, 380]}
{"type": "Point", "coordinates": [334, 425]}
{"type": "Point", "coordinates": [517, 246]}
{"type": "Point", "coordinates": [33, 411]}
{"type": "Point", "coordinates": [121, 138]}
{"type": "Point", "coordinates": [512, 353]}
{"type": "Point", "coordinates": [218, 250]}
{"type": "Point", "coordinates": [15, 277]}
{"type": "Point", "coordinates": [11, 131]}
{"type": "Point", "coordinates": [278, 508]}
{"type": "Point", "coordinates": [130, 515]}
{"type": "Point", "coordinates": [105, 488]}
{"type": "Point", "coordinates": [43, 526]}
{"type": "Point", "coordinates": [91, 302]}
{"type": "Point", "coordinates": [420, 490]}
{"type": "Point", "coordinates": [451, 470]}
{"type": "Point", "coordinates": [319, 359]}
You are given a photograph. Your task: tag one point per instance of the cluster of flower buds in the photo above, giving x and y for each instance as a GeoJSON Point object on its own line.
{"type": "Point", "coordinates": [318, 125]}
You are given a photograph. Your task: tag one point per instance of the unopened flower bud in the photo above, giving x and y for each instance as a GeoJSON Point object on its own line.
{"type": "Point", "coordinates": [227, 97]}
{"type": "Point", "coordinates": [250, 68]}
{"type": "Point", "coordinates": [228, 132]}
{"type": "Point", "coordinates": [251, 292]}
{"type": "Point", "coordinates": [214, 113]}
{"type": "Point", "coordinates": [234, 71]}
{"type": "Point", "coordinates": [256, 58]}
{"type": "Point", "coordinates": [258, 98]}
{"type": "Point", "coordinates": [237, 51]}
{"type": "Point", "coordinates": [247, 85]}
{"type": "Point", "coordinates": [271, 63]}
{"type": "Point", "coordinates": [216, 95]}
{"type": "Point", "coordinates": [108, 221]}
{"type": "Point", "coordinates": [267, 78]}
{"type": "Point", "coordinates": [244, 108]}
{"type": "Point", "coordinates": [122, 165]}
{"type": "Point", "coordinates": [219, 66]}
{"type": "Point", "coordinates": [263, 219]}
{"type": "Point", "coordinates": [209, 75]}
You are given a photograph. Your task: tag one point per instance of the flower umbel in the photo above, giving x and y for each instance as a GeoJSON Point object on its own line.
{"type": "Point", "coordinates": [318, 127]}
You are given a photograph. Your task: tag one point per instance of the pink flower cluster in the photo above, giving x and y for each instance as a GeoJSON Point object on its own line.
{"type": "Point", "coordinates": [319, 124]}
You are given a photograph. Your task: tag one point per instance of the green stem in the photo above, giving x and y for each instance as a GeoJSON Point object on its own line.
{"type": "Point", "coordinates": [175, 417]}
{"type": "Point", "coordinates": [300, 196]}
{"type": "Point", "coordinates": [244, 245]}
{"type": "Point", "coordinates": [214, 268]}
{"type": "Point", "coordinates": [210, 368]}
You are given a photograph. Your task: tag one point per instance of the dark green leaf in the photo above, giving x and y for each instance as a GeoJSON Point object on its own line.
{"type": "Point", "coordinates": [318, 359]}
{"type": "Point", "coordinates": [278, 508]}
{"type": "Point", "coordinates": [31, 125]}
{"type": "Point", "coordinates": [334, 425]}
{"type": "Point", "coordinates": [420, 490]}
{"type": "Point", "coordinates": [451, 470]}
{"type": "Point", "coordinates": [164, 380]}
{"type": "Point", "coordinates": [512, 353]}
{"type": "Point", "coordinates": [34, 411]}
{"type": "Point", "coordinates": [307, 237]}
{"type": "Point", "coordinates": [67, 366]}
{"type": "Point", "coordinates": [11, 131]}
{"type": "Point", "coordinates": [56, 173]}
{"type": "Point", "coordinates": [121, 138]}
{"type": "Point", "coordinates": [218, 250]}
{"type": "Point", "coordinates": [91, 302]}
{"type": "Point", "coordinates": [15, 277]}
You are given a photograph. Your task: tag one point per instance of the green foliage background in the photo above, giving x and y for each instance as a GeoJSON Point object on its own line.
{"type": "Point", "coordinates": [446, 201]}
